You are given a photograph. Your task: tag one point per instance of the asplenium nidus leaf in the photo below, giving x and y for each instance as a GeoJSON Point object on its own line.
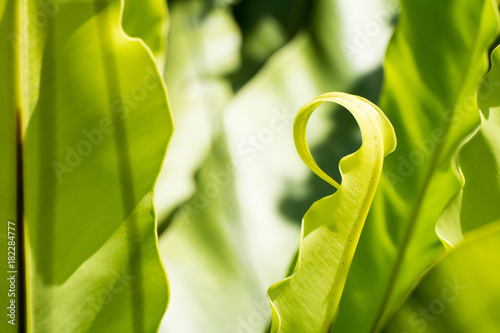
{"type": "Point", "coordinates": [308, 300]}
{"type": "Point", "coordinates": [84, 126]}
{"type": "Point", "coordinates": [477, 202]}
{"type": "Point", "coordinates": [461, 293]}
{"type": "Point", "coordinates": [433, 66]}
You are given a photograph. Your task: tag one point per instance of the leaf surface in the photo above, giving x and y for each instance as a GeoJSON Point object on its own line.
{"type": "Point", "coordinates": [461, 293]}
{"type": "Point", "coordinates": [308, 300]}
{"type": "Point", "coordinates": [433, 66]}
{"type": "Point", "coordinates": [94, 128]}
{"type": "Point", "coordinates": [477, 202]}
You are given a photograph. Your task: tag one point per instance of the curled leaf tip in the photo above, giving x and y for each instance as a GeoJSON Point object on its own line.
{"type": "Point", "coordinates": [307, 301]}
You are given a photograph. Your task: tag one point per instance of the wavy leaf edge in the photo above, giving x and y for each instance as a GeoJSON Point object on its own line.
{"type": "Point", "coordinates": [383, 138]}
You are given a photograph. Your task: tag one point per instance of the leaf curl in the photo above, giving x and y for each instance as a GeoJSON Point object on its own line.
{"type": "Point", "coordinates": [307, 301]}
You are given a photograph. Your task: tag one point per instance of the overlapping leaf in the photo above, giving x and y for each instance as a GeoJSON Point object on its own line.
{"type": "Point", "coordinates": [477, 202]}
{"type": "Point", "coordinates": [433, 66]}
{"type": "Point", "coordinates": [149, 21]}
{"type": "Point", "coordinates": [93, 131]}
{"type": "Point", "coordinates": [461, 293]}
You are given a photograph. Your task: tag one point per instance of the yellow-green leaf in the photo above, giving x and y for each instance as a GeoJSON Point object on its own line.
{"type": "Point", "coordinates": [94, 125]}
{"type": "Point", "coordinates": [308, 300]}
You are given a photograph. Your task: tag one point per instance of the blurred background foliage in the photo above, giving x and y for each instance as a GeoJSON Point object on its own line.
{"type": "Point", "coordinates": [233, 191]}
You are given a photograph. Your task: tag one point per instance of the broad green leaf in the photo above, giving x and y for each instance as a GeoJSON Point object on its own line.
{"type": "Point", "coordinates": [94, 128]}
{"type": "Point", "coordinates": [308, 300]}
{"type": "Point", "coordinates": [477, 202]}
{"type": "Point", "coordinates": [461, 293]}
{"type": "Point", "coordinates": [433, 66]}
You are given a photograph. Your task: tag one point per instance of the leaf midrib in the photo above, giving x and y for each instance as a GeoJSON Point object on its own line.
{"type": "Point", "coordinates": [16, 102]}
{"type": "Point", "coordinates": [418, 205]}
